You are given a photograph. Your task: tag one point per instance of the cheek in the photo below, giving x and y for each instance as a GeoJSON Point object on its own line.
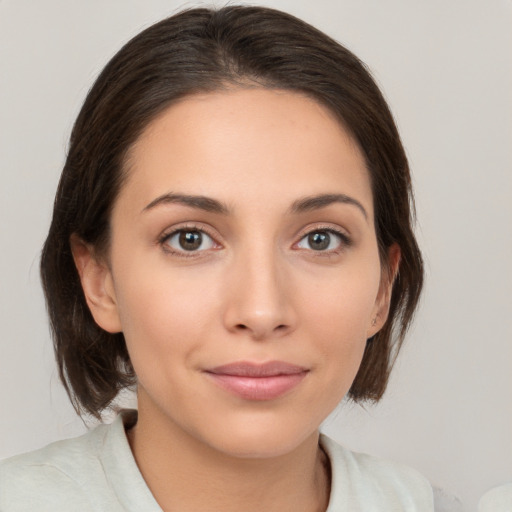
{"type": "Point", "coordinates": [337, 313]}
{"type": "Point", "coordinates": [342, 302]}
{"type": "Point", "coordinates": [163, 313]}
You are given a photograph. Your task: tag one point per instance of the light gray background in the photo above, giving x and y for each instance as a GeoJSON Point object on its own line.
{"type": "Point", "coordinates": [446, 69]}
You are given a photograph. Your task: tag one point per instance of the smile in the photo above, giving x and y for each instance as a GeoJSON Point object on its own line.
{"type": "Point", "coordinates": [258, 382]}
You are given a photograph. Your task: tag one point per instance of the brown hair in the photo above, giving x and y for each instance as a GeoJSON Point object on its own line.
{"type": "Point", "coordinates": [203, 50]}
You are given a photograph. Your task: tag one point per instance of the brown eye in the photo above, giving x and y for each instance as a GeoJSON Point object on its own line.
{"type": "Point", "coordinates": [323, 240]}
{"type": "Point", "coordinates": [189, 240]}
{"type": "Point", "coordinates": [319, 241]}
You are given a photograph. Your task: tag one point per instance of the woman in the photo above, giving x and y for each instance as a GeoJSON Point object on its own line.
{"type": "Point", "coordinates": [231, 235]}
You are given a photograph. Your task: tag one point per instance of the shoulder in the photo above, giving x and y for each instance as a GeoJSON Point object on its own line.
{"type": "Point", "coordinates": [52, 477]}
{"type": "Point", "coordinates": [498, 499]}
{"type": "Point", "coordinates": [365, 482]}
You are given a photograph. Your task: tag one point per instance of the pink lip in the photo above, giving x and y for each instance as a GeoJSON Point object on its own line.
{"type": "Point", "coordinates": [253, 381]}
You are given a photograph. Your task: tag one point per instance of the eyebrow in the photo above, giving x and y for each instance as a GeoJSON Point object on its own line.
{"type": "Point", "coordinates": [211, 205]}
{"type": "Point", "coordinates": [310, 203]}
{"type": "Point", "coordinates": [200, 202]}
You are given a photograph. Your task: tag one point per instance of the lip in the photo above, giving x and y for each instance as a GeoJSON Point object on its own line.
{"type": "Point", "coordinates": [255, 381]}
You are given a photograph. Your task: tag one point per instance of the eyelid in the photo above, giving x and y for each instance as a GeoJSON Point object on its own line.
{"type": "Point", "coordinates": [187, 226]}
{"type": "Point", "coordinates": [324, 226]}
{"type": "Point", "coordinates": [343, 234]}
{"type": "Point", "coordinates": [345, 237]}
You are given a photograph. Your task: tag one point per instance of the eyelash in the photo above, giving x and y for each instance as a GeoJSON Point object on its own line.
{"type": "Point", "coordinates": [166, 236]}
{"type": "Point", "coordinates": [345, 241]}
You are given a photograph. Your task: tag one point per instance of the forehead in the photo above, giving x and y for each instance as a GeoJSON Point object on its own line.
{"type": "Point", "coordinates": [246, 145]}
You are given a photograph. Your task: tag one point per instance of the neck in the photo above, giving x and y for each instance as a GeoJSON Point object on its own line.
{"type": "Point", "coordinates": [187, 475]}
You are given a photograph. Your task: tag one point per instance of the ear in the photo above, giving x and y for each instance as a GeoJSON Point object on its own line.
{"type": "Point", "coordinates": [97, 284]}
{"type": "Point", "coordinates": [381, 308]}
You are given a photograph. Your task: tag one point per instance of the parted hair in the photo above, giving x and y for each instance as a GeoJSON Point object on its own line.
{"type": "Point", "coordinates": [197, 51]}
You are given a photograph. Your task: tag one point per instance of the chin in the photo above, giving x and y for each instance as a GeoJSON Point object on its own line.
{"type": "Point", "coordinates": [255, 439]}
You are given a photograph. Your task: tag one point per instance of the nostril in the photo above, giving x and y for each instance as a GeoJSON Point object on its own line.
{"type": "Point", "coordinates": [241, 326]}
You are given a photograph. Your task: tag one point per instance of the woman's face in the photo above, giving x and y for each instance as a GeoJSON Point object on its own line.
{"type": "Point", "coordinates": [244, 270]}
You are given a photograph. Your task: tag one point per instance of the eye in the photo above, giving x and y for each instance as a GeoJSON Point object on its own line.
{"type": "Point", "coordinates": [189, 240]}
{"type": "Point", "coordinates": [323, 240]}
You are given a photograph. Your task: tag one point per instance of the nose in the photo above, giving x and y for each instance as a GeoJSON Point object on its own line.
{"type": "Point", "coordinates": [259, 297]}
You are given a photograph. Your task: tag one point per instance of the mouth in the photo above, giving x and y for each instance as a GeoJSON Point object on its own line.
{"type": "Point", "coordinates": [253, 381]}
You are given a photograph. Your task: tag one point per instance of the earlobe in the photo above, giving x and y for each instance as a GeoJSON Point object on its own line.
{"type": "Point", "coordinates": [382, 303]}
{"type": "Point", "coordinates": [97, 284]}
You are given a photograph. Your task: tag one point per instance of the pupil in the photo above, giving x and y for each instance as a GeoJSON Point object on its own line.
{"type": "Point", "coordinates": [190, 240]}
{"type": "Point", "coordinates": [319, 240]}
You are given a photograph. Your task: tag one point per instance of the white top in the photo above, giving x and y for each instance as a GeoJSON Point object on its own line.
{"type": "Point", "coordinates": [97, 472]}
{"type": "Point", "coordinates": [498, 499]}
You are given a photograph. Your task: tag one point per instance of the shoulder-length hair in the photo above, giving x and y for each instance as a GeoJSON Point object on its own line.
{"type": "Point", "coordinates": [197, 51]}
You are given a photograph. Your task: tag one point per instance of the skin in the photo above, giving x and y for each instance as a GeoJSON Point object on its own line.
{"type": "Point", "coordinates": [255, 290]}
